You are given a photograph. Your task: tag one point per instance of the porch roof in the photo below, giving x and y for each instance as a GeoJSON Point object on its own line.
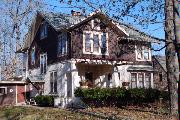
{"type": "Point", "coordinates": [140, 68]}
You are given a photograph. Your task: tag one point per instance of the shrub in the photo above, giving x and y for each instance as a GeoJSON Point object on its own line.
{"type": "Point", "coordinates": [119, 96]}
{"type": "Point", "coordinates": [44, 100]}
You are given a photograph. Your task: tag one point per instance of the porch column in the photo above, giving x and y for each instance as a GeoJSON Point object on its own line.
{"type": "Point", "coordinates": [152, 82]}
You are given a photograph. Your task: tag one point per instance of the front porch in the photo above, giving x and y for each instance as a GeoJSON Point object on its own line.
{"type": "Point", "coordinates": [95, 75]}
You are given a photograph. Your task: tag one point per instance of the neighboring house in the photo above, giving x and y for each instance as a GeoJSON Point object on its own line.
{"type": "Point", "coordinates": [160, 72]}
{"type": "Point", "coordinates": [64, 52]}
{"type": "Point", "coordinates": [13, 92]}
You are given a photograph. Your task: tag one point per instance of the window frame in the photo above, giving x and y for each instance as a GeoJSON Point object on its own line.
{"type": "Point", "coordinates": [33, 61]}
{"type": "Point", "coordinates": [43, 30]}
{"type": "Point", "coordinates": [44, 65]}
{"type": "Point", "coordinates": [143, 50]}
{"type": "Point", "coordinates": [53, 82]}
{"type": "Point", "coordinates": [136, 79]}
{"type": "Point", "coordinates": [92, 33]}
{"type": "Point", "coordinates": [5, 90]}
{"type": "Point", "coordinates": [144, 80]}
{"type": "Point", "coordinates": [62, 38]}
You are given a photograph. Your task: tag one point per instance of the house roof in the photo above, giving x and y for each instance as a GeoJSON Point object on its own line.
{"type": "Point", "coordinates": [61, 21]}
{"type": "Point", "coordinates": [161, 60]}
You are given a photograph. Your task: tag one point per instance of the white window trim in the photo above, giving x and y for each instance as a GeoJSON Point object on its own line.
{"type": "Point", "coordinates": [91, 41]}
{"type": "Point", "coordinates": [53, 92]}
{"type": "Point", "coordinates": [144, 79]}
{"type": "Point", "coordinates": [44, 28]}
{"type": "Point", "coordinates": [33, 63]}
{"type": "Point", "coordinates": [44, 54]}
{"type": "Point", "coordinates": [5, 90]}
{"type": "Point", "coordinates": [66, 47]}
{"type": "Point", "coordinates": [143, 57]}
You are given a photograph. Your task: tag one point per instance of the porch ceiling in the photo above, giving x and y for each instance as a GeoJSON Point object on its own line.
{"type": "Point", "coordinates": [99, 69]}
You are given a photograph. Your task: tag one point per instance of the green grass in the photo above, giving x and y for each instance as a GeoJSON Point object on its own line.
{"type": "Point", "coordinates": [34, 113]}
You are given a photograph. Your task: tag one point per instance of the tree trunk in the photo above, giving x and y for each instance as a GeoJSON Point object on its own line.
{"type": "Point", "coordinates": [171, 55]}
{"type": "Point", "coordinates": [177, 42]}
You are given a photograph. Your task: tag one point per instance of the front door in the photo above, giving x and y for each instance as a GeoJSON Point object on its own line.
{"type": "Point", "coordinates": [89, 79]}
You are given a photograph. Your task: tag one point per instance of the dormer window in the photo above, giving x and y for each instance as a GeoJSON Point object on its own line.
{"type": "Point", "coordinates": [143, 53]}
{"type": "Point", "coordinates": [95, 42]}
{"type": "Point", "coordinates": [44, 30]}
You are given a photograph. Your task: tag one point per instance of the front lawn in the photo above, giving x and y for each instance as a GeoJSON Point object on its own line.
{"type": "Point", "coordinates": [47, 113]}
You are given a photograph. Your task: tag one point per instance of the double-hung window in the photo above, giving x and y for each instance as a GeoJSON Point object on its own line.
{"type": "Point", "coordinates": [141, 80]}
{"type": "Point", "coordinates": [148, 80]}
{"type": "Point", "coordinates": [133, 80]}
{"type": "Point", "coordinates": [62, 44]}
{"type": "Point", "coordinates": [44, 30]}
{"type": "Point", "coordinates": [94, 42]}
{"type": "Point", "coordinates": [53, 82]}
{"type": "Point", "coordinates": [43, 63]}
{"type": "Point", "coordinates": [33, 56]}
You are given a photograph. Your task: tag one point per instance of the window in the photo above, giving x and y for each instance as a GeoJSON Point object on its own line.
{"type": "Point", "coordinates": [3, 90]}
{"type": "Point", "coordinates": [148, 80]}
{"type": "Point", "coordinates": [53, 82]}
{"type": "Point", "coordinates": [95, 24]}
{"type": "Point", "coordinates": [141, 80]}
{"type": "Point", "coordinates": [43, 63]}
{"type": "Point", "coordinates": [144, 80]}
{"type": "Point", "coordinates": [33, 56]}
{"type": "Point", "coordinates": [95, 42]}
{"type": "Point", "coordinates": [160, 77]}
{"type": "Point", "coordinates": [44, 30]}
{"type": "Point", "coordinates": [133, 80]}
{"type": "Point", "coordinates": [143, 53]}
{"type": "Point", "coordinates": [62, 44]}
{"type": "Point", "coordinates": [87, 42]}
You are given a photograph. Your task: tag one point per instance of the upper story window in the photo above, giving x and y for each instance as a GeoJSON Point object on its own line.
{"type": "Point", "coordinates": [43, 63]}
{"type": "Point", "coordinates": [95, 42]}
{"type": "Point", "coordinates": [62, 44]}
{"type": "Point", "coordinates": [33, 56]}
{"type": "Point", "coordinates": [44, 30]}
{"type": "Point", "coordinates": [143, 53]}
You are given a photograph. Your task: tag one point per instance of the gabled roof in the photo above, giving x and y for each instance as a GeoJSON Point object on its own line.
{"type": "Point", "coordinates": [161, 60]}
{"type": "Point", "coordinates": [61, 21]}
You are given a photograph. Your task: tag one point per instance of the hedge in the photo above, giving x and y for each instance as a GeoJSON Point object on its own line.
{"type": "Point", "coordinates": [44, 100]}
{"type": "Point", "coordinates": [119, 96]}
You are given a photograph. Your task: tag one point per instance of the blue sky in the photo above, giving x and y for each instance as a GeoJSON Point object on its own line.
{"type": "Point", "coordinates": [156, 30]}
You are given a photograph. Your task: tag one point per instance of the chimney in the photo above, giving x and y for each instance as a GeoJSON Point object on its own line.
{"type": "Point", "coordinates": [78, 13]}
{"type": "Point", "coordinates": [73, 13]}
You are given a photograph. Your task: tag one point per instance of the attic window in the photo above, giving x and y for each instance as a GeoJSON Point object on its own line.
{"type": "Point", "coordinates": [95, 24]}
{"type": "Point", "coordinates": [44, 31]}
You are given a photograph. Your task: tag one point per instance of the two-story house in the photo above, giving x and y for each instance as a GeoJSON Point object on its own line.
{"type": "Point", "coordinates": [64, 52]}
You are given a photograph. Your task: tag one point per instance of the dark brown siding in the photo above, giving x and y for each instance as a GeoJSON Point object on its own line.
{"type": "Point", "coordinates": [113, 47]}
{"type": "Point", "coordinates": [47, 45]}
{"type": "Point", "coordinates": [158, 84]}
{"type": "Point", "coordinates": [10, 97]}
